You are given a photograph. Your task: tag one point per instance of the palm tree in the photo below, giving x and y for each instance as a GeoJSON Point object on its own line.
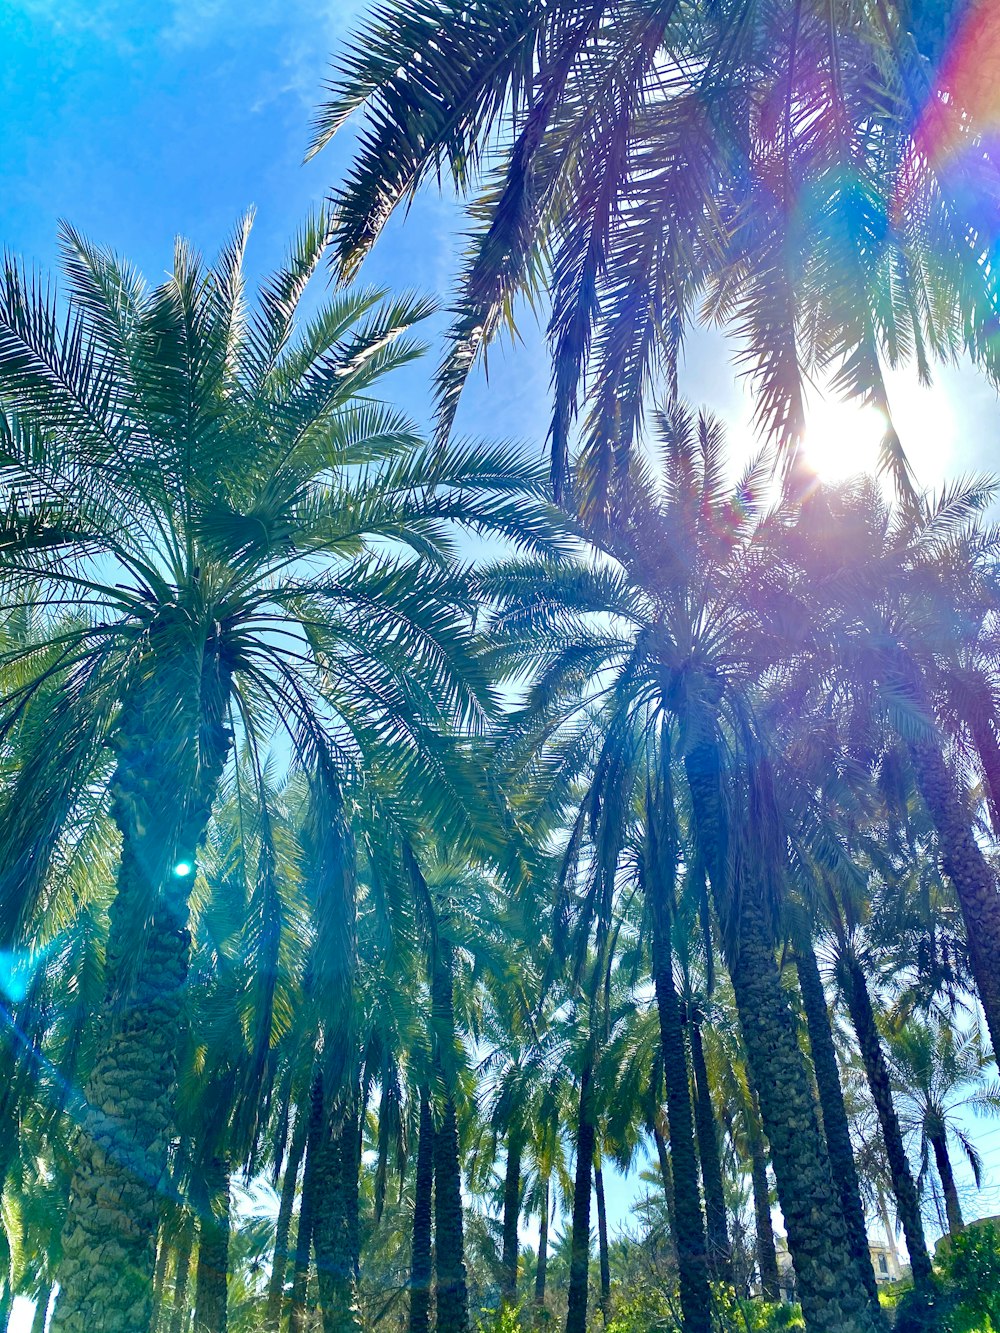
{"type": "Point", "coordinates": [836, 1126]}
{"type": "Point", "coordinates": [623, 156]}
{"type": "Point", "coordinates": [888, 589]}
{"type": "Point", "coordinates": [688, 607]}
{"type": "Point", "coordinates": [201, 485]}
{"type": "Point", "coordinates": [936, 1072]}
{"type": "Point", "coordinates": [851, 974]}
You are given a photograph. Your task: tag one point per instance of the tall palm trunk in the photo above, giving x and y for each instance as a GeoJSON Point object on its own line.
{"type": "Point", "coordinates": [451, 1290]}
{"type": "Point", "coordinates": [541, 1271]}
{"type": "Point", "coordinates": [182, 1275]}
{"type": "Point", "coordinates": [109, 1237]}
{"type": "Point", "coordinates": [967, 868]}
{"type": "Point", "coordinates": [334, 1228]}
{"type": "Point", "coordinates": [833, 1299]}
{"type": "Point", "coordinates": [767, 1256]}
{"type": "Point", "coordinates": [210, 1302]}
{"type": "Point", "coordinates": [711, 1160]}
{"type": "Point", "coordinates": [952, 1207]}
{"type": "Point", "coordinates": [687, 1225]}
{"type": "Point", "coordinates": [420, 1255]}
{"type": "Point", "coordinates": [511, 1214]}
{"type": "Point", "coordinates": [298, 1296]}
{"type": "Point", "coordinates": [279, 1265]}
{"type": "Point", "coordinates": [834, 1113]}
{"type": "Point", "coordinates": [877, 1073]}
{"type": "Point", "coordinates": [604, 1255]}
{"type": "Point", "coordinates": [579, 1255]}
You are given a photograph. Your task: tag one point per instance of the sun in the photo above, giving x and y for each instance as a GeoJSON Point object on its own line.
{"type": "Point", "coordinates": [842, 438]}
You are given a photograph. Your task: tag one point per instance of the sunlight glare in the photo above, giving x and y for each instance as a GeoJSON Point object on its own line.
{"type": "Point", "coordinates": [842, 438]}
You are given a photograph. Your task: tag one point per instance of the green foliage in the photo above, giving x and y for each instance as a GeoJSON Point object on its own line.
{"type": "Point", "coordinates": [972, 1267]}
{"type": "Point", "coordinates": [505, 1320]}
{"type": "Point", "coordinates": [651, 1309]}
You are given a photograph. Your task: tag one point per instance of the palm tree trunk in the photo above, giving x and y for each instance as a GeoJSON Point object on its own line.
{"type": "Point", "coordinates": [767, 1257]}
{"type": "Point", "coordinates": [298, 1296]}
{"type": "Point", "coordinates": [834, 1113]}
{"type": "Point", "coordinates": [332, 1227]}
{"type": "Point", "coordinates": [579, 1260]}
{"type": "Point", "coordinates": [543, 1249]}
{"type": "Point", "coordinates": [6, 1306]}
{"type": "Point", "coordinates": [420, 1255]}
{"type": "Point", "coordinates": [211, 1279]}
{"type": "Point", "coordinates": [451, 1290]}
{"type": "Point", "coordinates": [179, 1317]}
{"type": "Point", "coordinates": [602, 1240]}
{"type": "Point", "coordinates": [877, 1073]}
{"type": "Point", "coordinates": [717, 1230]}
{"type": "Point", "coordinates": [511, 1214]}
{"type": "Point", "coordinates": [833, 1299]}
{"type": "Point", "coordinates": [279, 1265]}
{"type": "Point", "coordinates": [967, 868]}
{"type": "Point", "coordinates": [953, 1208]}
{"type": "Point", "coordinates": [159, 1277]}
{"type": "Point", "coordinates": [109, 1237]}
{"type": "Point", "coordinates": [687, 1225]}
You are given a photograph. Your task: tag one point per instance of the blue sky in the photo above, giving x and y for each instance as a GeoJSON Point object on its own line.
{"type": "Point", "coordinates": [137, 121]}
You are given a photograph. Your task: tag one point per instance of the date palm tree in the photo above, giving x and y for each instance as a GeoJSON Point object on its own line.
{"type": "Point", "coordinates": [674, 627]}
{"type": "Point", "coordinates": [937, 1071]}
{"type": "Point", "coordinates": [888, 589]}
{"type": "Point", "coordinates": [628, 156]}
{"type": "Point", "coordinates": [253, 546]}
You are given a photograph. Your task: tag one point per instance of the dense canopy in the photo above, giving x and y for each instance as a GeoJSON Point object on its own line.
{"type": "Point", "coordinates": [457, 884]}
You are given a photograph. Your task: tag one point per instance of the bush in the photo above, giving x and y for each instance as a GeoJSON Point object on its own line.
{"type": "Point", "coordinates": [927, 1311]}
{"type": "Point", "coordinates": [971, 1265]}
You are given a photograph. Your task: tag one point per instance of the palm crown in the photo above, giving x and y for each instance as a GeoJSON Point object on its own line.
{"type": "Point", "coordinates": [775, 161]}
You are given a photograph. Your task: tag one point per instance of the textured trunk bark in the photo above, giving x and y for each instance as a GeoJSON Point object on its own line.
{"type": "Point", "coordinates": [211, 1281]}
{"type": "Point", "coordinates": [877, 1074]}
{"type": "Point", "coordinates": [541, 1271]}
{"type": "Point", "coordinates": [41, 1309]}
{"type": "Point", "coordinates": [716, 1227]}
{"type": "Point", "coordinates": [952, 1207]}
{"type": "Point", "coordinates": [967, 868]}
{"type": "Point", "coordinates": [298, 1296]}
{"type": "Point", "coordinates": [279, 1265]}
{"type": "Point", "coordinates": [109, 1237]}
{"type": "Point", "coordinates": [451, 1290]}
{"type": "Point", "coordinates": [334, 1231]}
{"type": "Point", "coordinates": [834, 1113]}
{"type": "Point", "coordinates": [452, 1296]}
{"type": "Point", "coordinates": [602, 1241]}
{"type": "Point", "coordinates": [833, 1299]}
{"type": "Point", "coordinates": [179, 1316]}
{"type": "Point", "coordinates": [767, 1257]}
{"type": "Point", "coordinates": [687, 1225]}
{"type": "Point", "coordinates": [420, 1255]}
{"type": "Point", "coordinates": [579, 1260]}
{"type": "Point", "coordinates": [511, 1214]}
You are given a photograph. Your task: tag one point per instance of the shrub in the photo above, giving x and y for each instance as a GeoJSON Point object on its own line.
{"type": "Point", "coordinates": [971, 1265]}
